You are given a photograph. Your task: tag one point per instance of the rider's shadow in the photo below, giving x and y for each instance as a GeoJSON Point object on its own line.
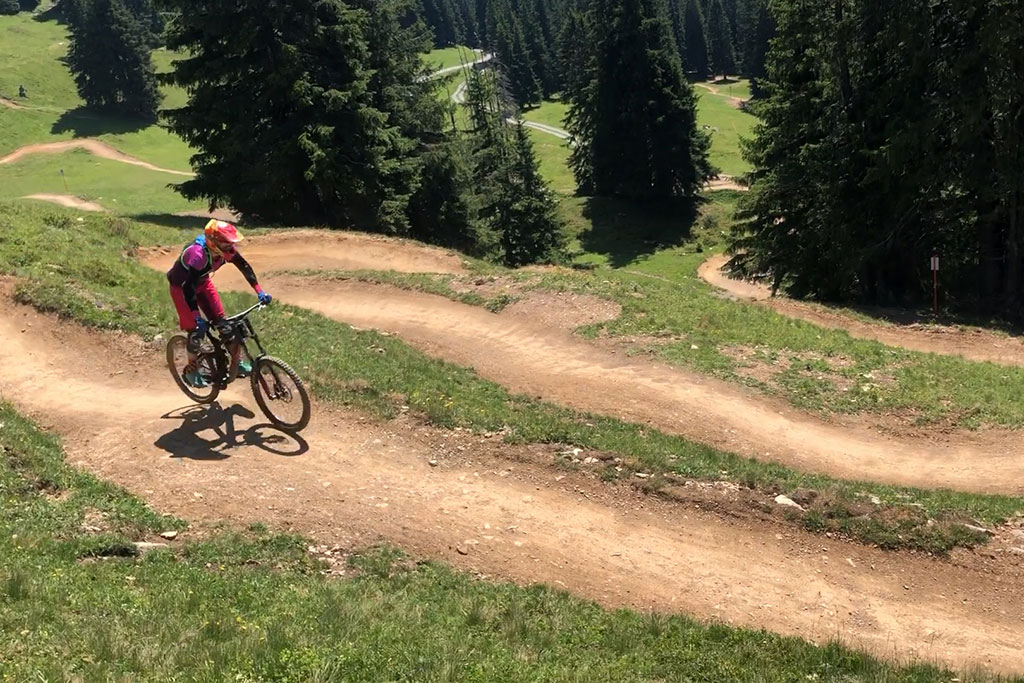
{"type": "Point", "coordinates": [190, 439]}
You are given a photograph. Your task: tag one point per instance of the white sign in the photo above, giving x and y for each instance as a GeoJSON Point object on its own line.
{"type": "Point", "coordinates": [935, 262]}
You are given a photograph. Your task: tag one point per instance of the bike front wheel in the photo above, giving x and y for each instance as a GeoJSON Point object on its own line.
{"type": "Point", "coordinates": [206, 363]}
{"type": "Point", "coordinates": [280, 394]}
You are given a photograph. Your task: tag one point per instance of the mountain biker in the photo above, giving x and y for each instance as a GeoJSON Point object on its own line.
{"type": "Point", "coordinates": [192, 288]}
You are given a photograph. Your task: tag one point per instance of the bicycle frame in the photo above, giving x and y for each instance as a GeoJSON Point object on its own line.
{"type": "Point", "coordinates": [242, 330]}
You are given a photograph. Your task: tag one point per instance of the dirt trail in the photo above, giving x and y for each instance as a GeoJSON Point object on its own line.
{"type": "Point", "coordinates": [972, 344]}
{"type": "Point", "coordinates": [67, 200]}
{"type": "Point", "coordinates": [10, 104]}
{"type": "Point", "coordinates": [532, 357]}
{"type": "Point", "coordinates": [96, 147]}
{"type": "Point", "coordinates": [725, 182]}
{"type": "Point", "coordinates": [485, 508]}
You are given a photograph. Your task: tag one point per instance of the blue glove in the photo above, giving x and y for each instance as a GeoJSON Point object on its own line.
{"type": "Point", "coordinates": [202, 326]}
{"type": "Point", "coordinates": [265, 298]}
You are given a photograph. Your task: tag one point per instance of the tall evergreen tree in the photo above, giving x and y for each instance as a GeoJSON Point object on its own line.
{"type": "Point", "coordinates": [302, 112]}
{"type": "Point", "coordinates": [515, 60]}
{"type": "Point", "coordinates": [677, 15]}
{"type": "Point", "coordinates": [720, 45]}
{"type": "Point", "coordinates": [444, 20]}
{"type": "Point", "coordinates": [635, 123]}
{"type": "Point", "coordinates": [110, 59]}
{"type": "Point", "coordinates": [756, 45]}
{"type": "Point", "coordinates": [696, 61]}
{"type": "Point", "coordinates": [891, 131]}
{"type": "Point", "coordinates": [516, 207]}
{"type": "Point", "coordinates": [528, 223]}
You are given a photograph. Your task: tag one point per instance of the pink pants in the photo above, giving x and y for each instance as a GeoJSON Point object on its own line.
{"type": "Point", "coordinates": [206, 297]}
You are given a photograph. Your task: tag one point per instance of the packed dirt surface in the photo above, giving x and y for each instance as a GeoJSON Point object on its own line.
{"type": "Point", "coordinates": [67, 200]}
{"type": "Point", "coordinates": [96, 147]}
{"type": "Point", "coordinates": [490, 508]}
{"type": "Point", "coordinates": [970, 343]}
{"type": "Point", "coordinates": [725, 182]}
{"type": "Point", "coordinates": [10, 104]}
{"type": "Point", "coordinates": [533, 358]}
{"type": "Point", "coordinates": [324, 250]}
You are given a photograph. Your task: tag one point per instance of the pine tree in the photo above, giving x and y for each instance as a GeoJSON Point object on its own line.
{"type": "Point", "coordinates": [442, 210]}
{"type": "Point", "coordinates": [723, 56]}
{"type": "Point", "coordinates": [514, 58]}
{"type": "Point", "coordinates": [696, 61]}
{"type": "Point", "coordinates": [302, 111]}
{"type": "Point", "coordinates": [9, 7]}
{"type": "Point", "coordinates": [635, 123]}
{"type": "Point", "coordinates": [528, 221]}
{"type": "Point", "coordinates": [677, 14]}
{"type": "Point", "coordinates": [515, 206]}
{"type": "Point", "coordinates": [755, 50]}
{"type": "Point", "coordinates": [573, 50]}
{"type": "Point", "coordinates": [443, 19]}
{"type": "Point", "coordinates": [110, 59]}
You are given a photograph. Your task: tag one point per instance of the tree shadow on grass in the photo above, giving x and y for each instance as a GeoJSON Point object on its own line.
{"type": "Point", "coordinates": [625, 231]}
{"type": "Point", "coordinates": [170, 220]}
{"type": "Point", "coordinates": [83, 122]}
{"type": "Point", "coordinates": [209, 433]}
{"type": "Point", "coordinates": [188, 220]}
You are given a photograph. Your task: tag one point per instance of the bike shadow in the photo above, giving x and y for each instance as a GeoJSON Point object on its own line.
{"type": "Point", "coordinates": [190, 440]}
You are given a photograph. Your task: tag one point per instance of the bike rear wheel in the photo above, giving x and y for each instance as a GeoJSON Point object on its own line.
{"type": "Point", "coordinates": [280, 394]}
{"type": "Point", "coordinates": [177, 363]}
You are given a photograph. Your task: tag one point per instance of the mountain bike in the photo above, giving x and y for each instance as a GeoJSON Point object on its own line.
{"type": "Point", "coordinates": [279, 392]}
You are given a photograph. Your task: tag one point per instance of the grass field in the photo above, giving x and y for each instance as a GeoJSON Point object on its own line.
{"type": "Point", "coordinates": [732, 87]}
{"type": "Point", "coordinates": [118, 187]}
{"type": "Point", "coordinates": [30, 52]}
{"type": "Point", "coordinates": [727, 125]}
{"type": "Point", "coordinates": [450, 56]}
{"type": "Point", "coordinates": [553, 155]}
{"type": "Point", "coordinates": [550, 112]}
{"type": "Point", "coordinates": [251, 605]}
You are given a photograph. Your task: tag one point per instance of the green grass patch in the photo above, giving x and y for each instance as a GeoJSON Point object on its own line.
{"type": "Point", "coordinates": [80, 604]}
{"type": "Point", "coordinates": [450, 56]}
{"type": "Point", "coordinates": [727, 126]}
{"type": "Point", "coordinates": [85, 271]}
{"type": "Point", "coordinates": [553, 157]}
{"type": "Point", "coordinates": [549, 112]}
{"type": "Point", "coordinates": [732, 87]}
{"type": "Point", "coordinates": [31, 52]}
{"type": "Point", "coordinates": [118, 187]}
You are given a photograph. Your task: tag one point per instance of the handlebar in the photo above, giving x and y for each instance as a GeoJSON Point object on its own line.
{"type": "Point", "coordinates": [244, 314]}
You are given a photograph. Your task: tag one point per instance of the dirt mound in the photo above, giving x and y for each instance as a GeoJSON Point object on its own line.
{"type": "Point", "coordinates": [972, 344]}
{"type": "Point", "coordinates": [96, 147]}
{"type": "Point", "coordinates": [536, 359]}
{"type": "Point", "coordinates": [563, 310]}
{"type": "Point", "coordinates": [488, 508]}
{"type": "Point", "coordinates": [323, 250]}
{"type": "Point", "coordinates": [68, 200]}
